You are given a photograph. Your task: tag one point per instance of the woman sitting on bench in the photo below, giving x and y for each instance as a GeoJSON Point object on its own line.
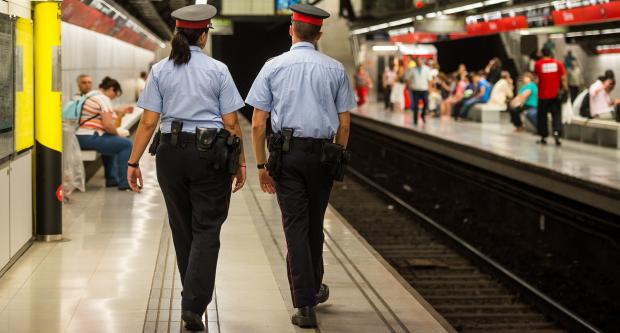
{"type": "Point", "coordinates": [98, 132]}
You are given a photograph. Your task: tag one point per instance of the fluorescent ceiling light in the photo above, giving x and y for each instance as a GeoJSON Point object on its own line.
{"type": "Point", "coordinates": [431, 15]}
{"type": "Point", "coordinates": [401, 22]}
{"type": "Point", "coordinates": [555, 36]}
{"type": "Point", "coordinates": [574, 34]}
{"type": "Point", "coordinates": [610, 31]}
{"type": "Point", "coordinates": [201, 2]}
{"type": "Point", "coordinates": [494, 2]}
{"type": "Point", "coordinates": [378, 27]}
{"type": "Point", "coordinates": [592, 33]}
{"type": "Point", "coordinates": [419, 17]}
{"type": "Point", "coordinates": [385, 48]}
{"type": "Point", "coordinates": [463, 8]}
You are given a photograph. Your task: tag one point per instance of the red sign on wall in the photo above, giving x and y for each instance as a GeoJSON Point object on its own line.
{"type": "Point", "coordinates": [589, 14]}
{"type": "Point", "coordinates": [80, 14]}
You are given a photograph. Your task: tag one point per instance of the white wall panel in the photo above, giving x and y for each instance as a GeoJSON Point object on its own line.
{"type": "Point", "coordinates": [19, 8]}
{"type": "Point", "coordinates": [21, 202]}
{"type": "Point", "coordinates": [4, 215]}
{"type": "Point", "coordinates": [98, 55]}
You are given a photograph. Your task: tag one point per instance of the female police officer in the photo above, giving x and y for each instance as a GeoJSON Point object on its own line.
{"type": "Point", "coordinates": [196, 98]}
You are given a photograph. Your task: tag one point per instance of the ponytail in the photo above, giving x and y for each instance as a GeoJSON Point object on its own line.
{"type": "Point", "coordinates": [181, 42]}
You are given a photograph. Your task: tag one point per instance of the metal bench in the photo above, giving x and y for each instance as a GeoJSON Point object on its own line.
{"type": "Point", "coordinates": [486, 113]}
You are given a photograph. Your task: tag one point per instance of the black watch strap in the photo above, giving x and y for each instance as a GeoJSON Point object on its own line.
{"type": "Point", "coordinates": [133, 165]}
{"type": "Point", "coordinates": [260, 166]}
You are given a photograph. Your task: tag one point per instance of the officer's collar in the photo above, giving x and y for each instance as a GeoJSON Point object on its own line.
{"type": "Point", "coordinates": [195, 48]}
{"type": "Point", "coordinates": [303, 45]}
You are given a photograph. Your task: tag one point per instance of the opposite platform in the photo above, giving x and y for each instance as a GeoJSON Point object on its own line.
{"type": "Point", "coordinates": [582, 172]}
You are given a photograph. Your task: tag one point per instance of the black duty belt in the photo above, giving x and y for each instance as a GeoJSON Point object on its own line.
{"type": "Point", "coordinates": [184, 137]}
{"type": "Point", "coordinates": [309, 145]}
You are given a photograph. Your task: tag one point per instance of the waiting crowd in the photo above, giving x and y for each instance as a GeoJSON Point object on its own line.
{"type": "Point", "coordinates": [546, 88]}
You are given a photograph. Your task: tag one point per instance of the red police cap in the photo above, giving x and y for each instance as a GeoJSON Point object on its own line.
{"type": "Point", "coordinates": [308, 14]}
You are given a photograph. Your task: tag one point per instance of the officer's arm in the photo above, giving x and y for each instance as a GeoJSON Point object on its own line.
{"type": "Point", "coordinates": [342, 136]}
{"type": "Point", "coordinates": [146, 128]}
{"type": "Point", "coordinates": [259, 125]}
{"type": "Point", "coordinates": [231, 124]}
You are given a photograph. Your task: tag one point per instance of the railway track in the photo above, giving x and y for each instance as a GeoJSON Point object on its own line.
{"type": "Point", "coordinates": [471, 299]}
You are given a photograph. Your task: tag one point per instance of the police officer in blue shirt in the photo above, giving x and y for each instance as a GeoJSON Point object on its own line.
{"type": "Point", "coordinates": [199, 152]}
{"type": "Point", "coordinates": [308, 96]}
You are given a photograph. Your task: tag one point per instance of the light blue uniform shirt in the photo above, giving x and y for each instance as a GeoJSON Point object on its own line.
{"type": "Point", "coordinates": [197, 93]}
{"type": "Point", "coordinates": [305, 90]}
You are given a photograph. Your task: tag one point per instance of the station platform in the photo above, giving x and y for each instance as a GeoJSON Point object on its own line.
{"type": "Point", "coordinates": [582, 172]}
{"type": "Point", "coordinates": [116, 272]}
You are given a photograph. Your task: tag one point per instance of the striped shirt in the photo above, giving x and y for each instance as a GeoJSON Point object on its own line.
{"type": "Point", "coordinates": [96, 105]}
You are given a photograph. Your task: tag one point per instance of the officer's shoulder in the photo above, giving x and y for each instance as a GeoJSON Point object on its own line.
{"type": "Point", "coordinates": [331, 62]}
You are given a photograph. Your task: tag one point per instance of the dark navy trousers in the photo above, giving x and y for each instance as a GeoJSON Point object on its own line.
{"type": "Point", "coordinates": [197, 199]}
{"type": "Point", "coordinates": [303, 190]}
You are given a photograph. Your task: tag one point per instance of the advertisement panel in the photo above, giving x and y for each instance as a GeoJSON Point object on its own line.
{"type": "Point", "coordinates": [283, 5]}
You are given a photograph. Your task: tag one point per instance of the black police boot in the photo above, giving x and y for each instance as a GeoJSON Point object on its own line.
{"type": "Point", "coordinates": [193, 321]}
{"type": "Point", "coordinates": [556, 136]}
{"type": "Point", "coordinates": [305, 317]}
{"type": "Point", "coordinates": [323, 295]}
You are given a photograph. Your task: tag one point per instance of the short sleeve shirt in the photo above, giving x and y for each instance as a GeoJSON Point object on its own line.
{"type": "Point", "coordinates": [198, 93]}
{"type": "Point", "coordinates": [532, 99]}
{"type": "Point", "coordinates": [419, 77]}
{"type": "Point", "coordinates": [549, 72]}
{"type": "Point", "coordinates": [305, 90]}
{"type": "Point", "coordinates": [94, 107]}
{"type": "Point", "coordinates": [600, 102]}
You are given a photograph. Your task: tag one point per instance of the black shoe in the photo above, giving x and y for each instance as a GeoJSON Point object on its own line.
{"type": "Point", "coordinates": [542, 142]}
{"type": "Point", "coordinates": [323, 295]}
{"type": "Point", "coordinates": [305, 317]}
{"type": "Point", "coordinates": [111, 184]}
{"type": "Point", "coordinates": [193, 321]}
{"type": "Point", "coordinates": [125, 189]}
{"type": "Point", "coordinates": [557, 141]}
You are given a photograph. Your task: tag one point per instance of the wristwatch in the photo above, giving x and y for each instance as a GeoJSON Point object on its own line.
{"type": "Point", "coordinates": [260, 166]}
{"type": "Point", "coordinates": [133, 165]}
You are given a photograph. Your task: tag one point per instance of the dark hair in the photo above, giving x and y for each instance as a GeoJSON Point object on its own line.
{"type": "Point", "coordinates": [547, 52]}
{"type": "Point", "coordinates": [143, 75]}
{"type": "Point", "coordinates": [305, 31]}
{"type": "Point", "coordinates": [108, 83]}
{"type": "Point", "coordinates": [181, 42]}
{"type": "Point", "coordinates": [610, 74]}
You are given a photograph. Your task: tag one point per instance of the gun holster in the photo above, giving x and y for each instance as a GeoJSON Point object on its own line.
{"type": "Point", "coordinates": [335, 159]}
{"type": "Point", "coordinates": [155, 143]}
{"type": "Point", "coordinates": [278, 145]}
{"type": "Point", "coordinates": [219, 148]}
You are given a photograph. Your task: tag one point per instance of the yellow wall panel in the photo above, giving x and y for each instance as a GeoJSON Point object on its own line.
{"type": "Point", "coordinates": [24, 92]}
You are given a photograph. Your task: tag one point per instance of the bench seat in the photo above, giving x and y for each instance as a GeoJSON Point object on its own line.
{"type": "Point", "coordinates": [486, 113]}
{"type": "Point", "coordinates": [604, 133]}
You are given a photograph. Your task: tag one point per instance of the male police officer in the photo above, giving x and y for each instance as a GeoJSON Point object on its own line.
{"type": "Point", "coordinates": [308, 96]}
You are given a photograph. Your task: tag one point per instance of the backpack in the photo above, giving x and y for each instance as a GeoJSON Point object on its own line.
{"type": "Point", "coordinates": [584, 109]}
{"type": "Point", "coordinates": [72, 111]}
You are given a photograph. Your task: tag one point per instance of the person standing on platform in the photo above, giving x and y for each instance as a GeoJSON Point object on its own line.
{"type": "Point", "coordinates": [362, 84]}
{"type": "Point", "coordinates": [198, 152]}
{"type": "Point", "coordinates": [552, 77]}
{"type": "Point", "coordinates": [140, 84]}
{"type": "Point", "coordinates": [308, 96]}
{"type": "Point", "coordinates": [389, 79]}
{"type": "Point", "coordinates": [575, 80]}
{"type": "Point", "coordinates": [419, 79]}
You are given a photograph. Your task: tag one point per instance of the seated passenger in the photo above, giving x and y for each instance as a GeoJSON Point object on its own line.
{"type": "Point", "coordinates": [526, 100]}
{"type": "Point", "coordinates": [457, 94]}
{"type": "Point", "coordinates": [601, 104]}
{"type": "Point", "coordinates": [482, 92]}
{"type": "Point", "coordinates": [98, 132]}
{"type": "Point", "coordinates": [502, 91]}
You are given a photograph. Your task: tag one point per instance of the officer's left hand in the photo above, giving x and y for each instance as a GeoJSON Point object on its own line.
{"type": "Point", "coordinates": [134, 177]}
{"type": "Point", "coordinates": [239, 179]}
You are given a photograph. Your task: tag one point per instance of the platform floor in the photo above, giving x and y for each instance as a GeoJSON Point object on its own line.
{"type": "Point", "coordinates": [116, 272]}
{"type": "Point", "coordinates": [591, 163]}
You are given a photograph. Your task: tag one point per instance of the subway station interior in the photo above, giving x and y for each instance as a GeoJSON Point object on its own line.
{"type": "Point", "coordinates": [454, 214]}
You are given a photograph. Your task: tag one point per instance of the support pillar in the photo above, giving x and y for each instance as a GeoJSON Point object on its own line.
{"type": "Point", "coordinates": [48, 121]}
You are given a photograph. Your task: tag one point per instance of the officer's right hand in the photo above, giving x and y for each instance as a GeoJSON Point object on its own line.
{"type": "Point", "coordinates": [266, 182]}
